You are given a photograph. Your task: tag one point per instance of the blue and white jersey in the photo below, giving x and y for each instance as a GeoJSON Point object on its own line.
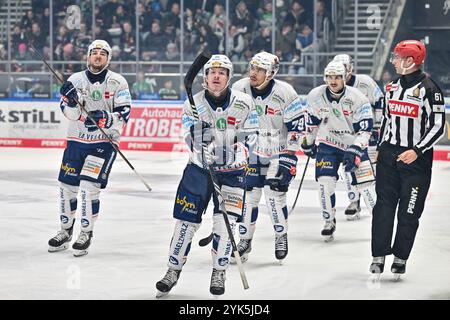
{"type": "Point", "coordinates": [280, 116]}
{"type": "Point", "coordinates": [372, 91]}
{"type": "Point", "coordinates": [341, 122]}
{"type": "Point", "coordinates": [112, 95]}
{"type": "Point", "coordinates": [228, 124]}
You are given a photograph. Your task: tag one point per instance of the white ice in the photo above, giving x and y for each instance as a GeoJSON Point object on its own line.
{"type": "Point", "coordinates": [131, 238]}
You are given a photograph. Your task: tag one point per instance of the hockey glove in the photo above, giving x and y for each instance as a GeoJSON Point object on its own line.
{"type": "Point", "coordinates": [287, 169]}
{"type": "Point", "coordinates": [310, 150]}
{"type": "Point", "coordinates": [200, 133]}
{"type": "Point", "coordinates": [234, 158]}
{"type": "Point", "coordinates": [69, 94]}
{"type": "Point", "coordinates": [103, 118]}
{"type": "Point", "coordinates": [352, 158]}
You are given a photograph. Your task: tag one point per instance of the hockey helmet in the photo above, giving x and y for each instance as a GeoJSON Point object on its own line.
{"type": "Point", "coordinates": [266, 61]}
{"type": "Point", "coordinates": [218, 61]}
{"type": "Point", "coordinates": [99, 44]}
{"type": "Point", "coordinates": [346, 60]}
{"type": "Point", "coordinates": [411, 48]}
{"type": "Point", "coordinates": [335, 68]}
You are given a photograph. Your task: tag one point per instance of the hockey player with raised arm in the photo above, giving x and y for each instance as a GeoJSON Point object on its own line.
{"type": "Point", "coordinates": [273, 161]}
{"type": "Point", "coordinates": [89, 155]}
{"type": "Point", "coordinates": [372, 91]}
{"type": "Point", "coordinates": [338, 130]}
{"type": "Point", "coordinates": [223, 113]}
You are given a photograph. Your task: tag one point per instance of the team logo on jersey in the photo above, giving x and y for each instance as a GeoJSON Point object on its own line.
{"type": "Point", "coordinates": [391, 87]}
{"type": "Point", "coordinates": [221, 124]}
{"type": "Point", "coordinates": [96, 95]}
{"type": "Point", "coordinates": [403, 109]}
{"type": "Point", "coordinates": [109, 95]}
{"type": "Point", "coordinates": [337, 113]}
{"type": "Point", "coordinates": [186, 204]}
{"type": "Point", "coordinates": [324, 164]}
{"type": "Point", "coordinates": [68, 170]}
{"type": "Point", "coordinates": [259, 109]}
{"type": "Point", "coordinates": [231, 121]}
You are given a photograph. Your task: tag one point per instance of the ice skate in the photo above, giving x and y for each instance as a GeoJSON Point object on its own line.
{"type": "Point", "coordinates": [244, 248]}
{"type": "Point", "coordinates": [166, 284]}
{"type": "Point", "coordinates": [217, 286]}
{"type": "Point", "coordinates": [398, 268]}
{"type": "Point", "coordinates": [353, 211]}
{"type": "Point", "coordinates": [377, 267]}
{"type": "Point", "coordinates": [328, 230]}
{"type": "Point", "coordinates": [82, 244]}
{"type": "Point", "coordinates": [281, 246]}
{"type": "Point", "coordinates": [61, 241]}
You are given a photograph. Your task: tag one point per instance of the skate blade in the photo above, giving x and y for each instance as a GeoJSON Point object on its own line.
{"type": "Point", "coordinates": [80, 253]}
{"type": "Point", "coordinates": [353, 217]}
{"type": "Point", "coordinates": [60, 248]}
{"type": "Point", "coordinates": [375, 277]}
{"type": "Point", "coordinates": [397, 277]}
{"type": "Point", "coordinates": [160, 294]}
{"type": "Point", "coordinates": [328, 238]}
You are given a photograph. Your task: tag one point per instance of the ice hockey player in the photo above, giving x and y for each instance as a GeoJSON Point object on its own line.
{"type": "Point", "coordinates": [223, 113]}
{"type": "Point", "coordinates": [273, 161]}
{"type": "Point", "coordinates": [370, 89]}
{"type": "Point", "coordinates": [413, 122]}
{"type": "Point", "coordinates": [338, 130]}
{"type": "Point", "coordinates": [89, 156]}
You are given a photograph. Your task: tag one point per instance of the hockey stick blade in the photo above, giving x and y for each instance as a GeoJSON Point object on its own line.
{"type": "Point", "coordinates": [205, 241]}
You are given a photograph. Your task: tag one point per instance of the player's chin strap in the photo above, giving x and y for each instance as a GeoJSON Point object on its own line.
{"type": "Point", "coordinates": [404, 70]}
{"type": "Point", "coordinates": [264, 84]}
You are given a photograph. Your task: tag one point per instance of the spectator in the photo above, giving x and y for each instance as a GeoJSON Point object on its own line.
{"type": "Point", "coordinates": [235, 44]}
{"type": "Point", "coordinates": [168, 89]}
{"type": "Point", "coordinates": [322, 17]}
{"type": "Point", "coordinates": [243, 20]}
{"type": "Point", "coordinates": [173, 17]}
{"type": "Point", "coordinates": [265, 14]}
{"type": "Point", "coordinates": [37, 38]}
{"type": "Point", "coordinates": [217, 21]}
{"type": "Point", "coordinates": [386, 77]}
{"type": "Point", "coordinates": [286, 42]}
{"type": "Point", "coordinates": [207, 40]}
{"type": "Point", "coordinates": [155, 43]}
{"type": "Point", "coordinates": [27, 21]}
{"type": "Point", "coordinates": [297, 16]}
{"type": "Point", "coordinates": [263, 42]}
{"type": "Point", "coordinates": [17, 37]}
{"type": "Point", "coordinates": [141, 86]}
{"type": "Point", "coordinates": [128, 42]}
{"type": "Point", "coordinates": [304, 39]}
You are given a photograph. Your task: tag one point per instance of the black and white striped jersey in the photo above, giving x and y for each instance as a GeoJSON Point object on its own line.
{"type": "Point", "coordinates": [414, 113]}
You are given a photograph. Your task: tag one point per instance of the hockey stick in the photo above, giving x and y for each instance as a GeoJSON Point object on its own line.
{"type": "Point", "coordinates": [300, 186]}
{"type": "Point", "coordinates": [87, 116]}
{"type": "Point", "coordinates": [196, 66]}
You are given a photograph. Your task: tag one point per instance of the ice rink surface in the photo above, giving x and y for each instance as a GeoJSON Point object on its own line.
{"type": "Point", "coordinates": [131, 238]}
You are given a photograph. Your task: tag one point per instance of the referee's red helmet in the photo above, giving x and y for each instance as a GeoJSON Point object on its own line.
{"type": "Point", "coordinates": [411, 48]}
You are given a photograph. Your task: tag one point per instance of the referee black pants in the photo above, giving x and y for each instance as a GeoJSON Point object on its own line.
{"type": "Point", "coordinates": [402, 188]}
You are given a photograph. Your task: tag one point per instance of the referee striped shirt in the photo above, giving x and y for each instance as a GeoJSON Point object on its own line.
{"type": "Point", "coordinates": [414, 113]}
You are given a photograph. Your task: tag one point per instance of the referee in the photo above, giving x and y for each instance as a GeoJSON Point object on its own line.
{"type": "Point", "coordinates": [413, 121]}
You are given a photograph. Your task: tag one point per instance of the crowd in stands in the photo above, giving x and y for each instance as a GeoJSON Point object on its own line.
{"type": "Point", "coordinates": [159, 22]}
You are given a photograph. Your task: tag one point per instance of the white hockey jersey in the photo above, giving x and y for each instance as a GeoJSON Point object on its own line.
{"type": "Point", "coordinates": [338, 123]}
{"type": "Point", "coordinates": [372, 91]}
{"type": "Point", "coordinates": [280, 116]}
{"type": "Point", "coordinates": [228, 126]}
{"type": "Point", "coordinates": [112, 95]}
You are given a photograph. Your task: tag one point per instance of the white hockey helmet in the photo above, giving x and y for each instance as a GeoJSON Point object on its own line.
{"type": "Point", "coordinates": [346, 60]}
{"type": "Point", "coordinates": [218, 61]}
{"type": "Point", "coordinates": [99, 44]}
{"type": "Point", "coordinates": [335, 68]}
{"type": "Point", "coordinates": [266, 61]}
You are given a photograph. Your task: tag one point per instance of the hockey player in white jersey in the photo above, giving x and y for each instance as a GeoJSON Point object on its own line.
{"type": "Point", "coordinates": [273, 161]}
{"type": "Point", "coordinates": [339, 125]}
{"type": "Point", "coordinates": [370, 89]}
{"type": "Point", "coordinates": [89, 155]}
{"type": "Point", "coordinates": [223, 113]}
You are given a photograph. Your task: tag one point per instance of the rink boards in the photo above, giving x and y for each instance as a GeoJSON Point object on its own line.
{"type": "Point", "coordinates": [153, 126]}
